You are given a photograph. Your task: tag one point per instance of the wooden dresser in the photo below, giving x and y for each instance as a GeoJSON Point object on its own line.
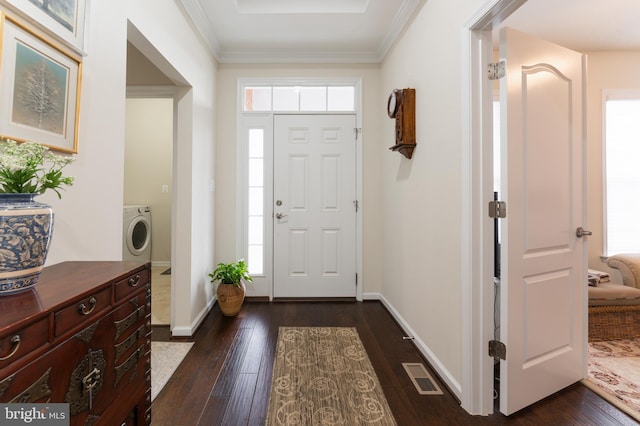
{"type": "Point", "coordinates": [83, 337]}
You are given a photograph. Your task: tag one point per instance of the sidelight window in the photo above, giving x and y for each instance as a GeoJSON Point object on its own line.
{"type": "Point", "coordinates": [255, 228]}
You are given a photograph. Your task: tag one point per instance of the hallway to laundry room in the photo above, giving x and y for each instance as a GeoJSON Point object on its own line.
{"type": "Point", "coordinates": [160, 295]}
{"type": "Point", "coordinates": [148, 196]}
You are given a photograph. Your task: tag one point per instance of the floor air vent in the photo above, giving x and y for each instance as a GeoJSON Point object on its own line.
{"type": "Point", "coordinates": [422, 380]}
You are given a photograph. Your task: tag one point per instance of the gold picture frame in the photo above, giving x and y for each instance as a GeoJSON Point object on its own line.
{"type": "Point", "coordinates": [39, 89]}
{"type": "Point", "coordinates": [64, 20]}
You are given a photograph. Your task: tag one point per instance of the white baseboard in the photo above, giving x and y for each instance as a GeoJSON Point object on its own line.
{"type": "Point", "coordinates": [444, 374]}
{"type": "Point", "coordinates": [189, 331]}
{"type": "Point", "coordinates": [371, 296]}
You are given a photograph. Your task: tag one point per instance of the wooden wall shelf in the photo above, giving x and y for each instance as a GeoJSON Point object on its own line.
{"type": "Point", "coordinates": [404, 149]}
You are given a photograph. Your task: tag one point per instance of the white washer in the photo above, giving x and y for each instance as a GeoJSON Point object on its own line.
{"type": "Point", "coordinates": [136, 241]}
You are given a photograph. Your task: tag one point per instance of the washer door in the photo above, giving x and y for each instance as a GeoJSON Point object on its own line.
{"type": "Point", "coordinates": [138, 235]}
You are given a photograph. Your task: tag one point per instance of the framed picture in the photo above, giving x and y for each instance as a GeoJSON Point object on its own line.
{"type": "Point", "coordinates": [63, 19]}
{"type": "Point", "coordinates": [39, 90]}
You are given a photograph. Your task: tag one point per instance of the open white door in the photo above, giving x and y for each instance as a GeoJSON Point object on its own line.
{"type": "Point", "coordinates": [543, 288]}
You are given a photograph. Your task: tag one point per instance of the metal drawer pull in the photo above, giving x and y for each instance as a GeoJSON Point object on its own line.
{"type": "Point", "coordinates": [15, 342]}
{"type": "Point", "coordinates": [83, 308]}
{"type": "Point", "coordinates": [133, 282]}
{"type": "Point", "coordinates": [91, 380]}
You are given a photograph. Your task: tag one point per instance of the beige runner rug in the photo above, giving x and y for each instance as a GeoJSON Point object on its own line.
{"type": "Point", "coordinates": [165, 359]}
{"type": "Point", "coordinates": [614, 373]}
{"type": "Point", "coordinates": [322, 375]}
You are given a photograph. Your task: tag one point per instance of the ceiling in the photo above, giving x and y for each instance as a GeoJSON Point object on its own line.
{"type": "Point", "coordinates": [363, 31]}
{"type": "Point", "coordinates": [303, 31]}
{"type": "Point", "coordinates": [581, 25]}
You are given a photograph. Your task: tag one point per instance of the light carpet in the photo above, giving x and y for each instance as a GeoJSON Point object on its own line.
{"type": "Point", "coordinates": [165, 359]}
{"type": "Point", "coordinates": [614, 373]}
{"type": "Point", "coordinates": [322, 375]}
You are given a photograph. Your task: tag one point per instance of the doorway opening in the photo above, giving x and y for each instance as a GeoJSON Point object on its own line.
{"type": "Point", "coordinates": [147, 191]}
{"type": "Point", "coordinates": [482, 237]}
{"type": "Point", "coordinates": [148, 180]}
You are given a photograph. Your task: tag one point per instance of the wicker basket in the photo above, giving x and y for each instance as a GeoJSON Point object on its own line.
{"type": "Point", "coordinates": [230, 298]}
{"type": "Point", "coordinates": [614, 322]}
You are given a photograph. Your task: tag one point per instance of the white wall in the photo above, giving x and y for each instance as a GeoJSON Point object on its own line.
{"type": "Point", "coordinates": [195, 72]}
{"type": "Point", "coordinates": [373, 108]}
{"type": "Point", "coordinates": [421, 202]}
{"type": "Point", "coordinates": [606, 71]}
{"type": "Point", "coordinates": [88, 221]}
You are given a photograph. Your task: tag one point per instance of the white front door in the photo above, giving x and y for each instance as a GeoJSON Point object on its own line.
{"type": "Point", "coordinates": [314, 206]}
{"type": "Point", "coordinates": [543, 300]}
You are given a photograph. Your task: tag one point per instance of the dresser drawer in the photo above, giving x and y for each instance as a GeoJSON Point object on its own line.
{"type": "Point", "coordinates": [131, 284]}
{"type": "Point", "coordinates": [15, 345]}
{"type": "Point", "coordinates": [133, 313]}
{"type": "Point", "coordinates": [81, 311]}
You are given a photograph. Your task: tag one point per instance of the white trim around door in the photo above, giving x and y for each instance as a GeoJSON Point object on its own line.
{"type": "Point", "coordinates": [477, 231]}
{"type": "Point", "coordinates": [263, 283]}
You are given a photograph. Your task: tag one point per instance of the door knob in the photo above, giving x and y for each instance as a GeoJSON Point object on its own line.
{"type": "Point", "coordinates": [581, 232]}
{"type": "Point", "coordinates": [280, 215]}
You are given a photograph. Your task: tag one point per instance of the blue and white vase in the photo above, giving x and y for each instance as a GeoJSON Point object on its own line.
{"type": "Point", "coordinates": [26, 226]}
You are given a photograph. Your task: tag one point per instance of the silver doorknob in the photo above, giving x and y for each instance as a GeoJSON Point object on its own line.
{"type": "Point", "coordinates": [280, 215]}
{"type": "Point", "coordinates": [581, 232]}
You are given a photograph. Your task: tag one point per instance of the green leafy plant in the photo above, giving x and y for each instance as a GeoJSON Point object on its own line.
{"type": "Point", "coordinates": [30, 168]}
{"type": "Point", "coordinates": [231, 273]}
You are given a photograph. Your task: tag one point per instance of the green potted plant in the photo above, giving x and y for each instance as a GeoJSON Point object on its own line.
{"type": "Point", "coordinates": [27, 170]}
{"type": "Point", "coordinates": [30, 168]}
{"type": "Point", "coordinates": [231, 288]}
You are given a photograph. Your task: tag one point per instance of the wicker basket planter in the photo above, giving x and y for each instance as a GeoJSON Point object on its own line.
{"type": "Point", "coordinates": [230, 298]}
{"type": "Point", "coordinates": [231, 288]}
{"type": "Point", "coordinates": [614, 322]}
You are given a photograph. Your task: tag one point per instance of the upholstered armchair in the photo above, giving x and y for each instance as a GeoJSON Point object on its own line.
{"type": "Point", "coordinates": [614, 308]}
{"type": "Point", "coordinates": [628, 264]}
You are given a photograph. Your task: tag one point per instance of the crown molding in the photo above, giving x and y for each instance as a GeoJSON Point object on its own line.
{"type": "Point", "coordinates": [405, 14]}
{"type": "Point", "coordinates": [276, 56]}
{"type": "Point", "coordinates": [201, 24]}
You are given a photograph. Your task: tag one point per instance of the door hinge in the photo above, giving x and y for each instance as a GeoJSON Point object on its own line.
{"type": "Point", "coordinates": [358, 130]}
{"type": "Point", "coordinates": [356, 204]}
{"type": "Point", "coordinates": [497, 349]}
{"type": "Point", "coordinates": [497, 209]}
{"type": "Point", "coordinates": [356, 280]}
{"type": "Point", "coordinates": [496, 70]}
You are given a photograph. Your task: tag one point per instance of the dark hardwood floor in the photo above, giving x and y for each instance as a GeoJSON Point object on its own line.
{"type": "Point", "coordinates": [225, 378]}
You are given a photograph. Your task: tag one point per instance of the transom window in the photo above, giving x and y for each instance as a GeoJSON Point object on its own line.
{"type": "Point", "coordinates": [299, 98]}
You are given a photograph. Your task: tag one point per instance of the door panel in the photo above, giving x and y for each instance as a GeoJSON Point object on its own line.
{"type": "Point", "coordinates": [543, 301]}
{"type": "Point", "coordinates": [314, 191]}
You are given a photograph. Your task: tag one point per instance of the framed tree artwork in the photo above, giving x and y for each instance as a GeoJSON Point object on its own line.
{"type": "Point", "coordinates": [64, 20]}
{"type": "Point", "coordinates": [39, 90]}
